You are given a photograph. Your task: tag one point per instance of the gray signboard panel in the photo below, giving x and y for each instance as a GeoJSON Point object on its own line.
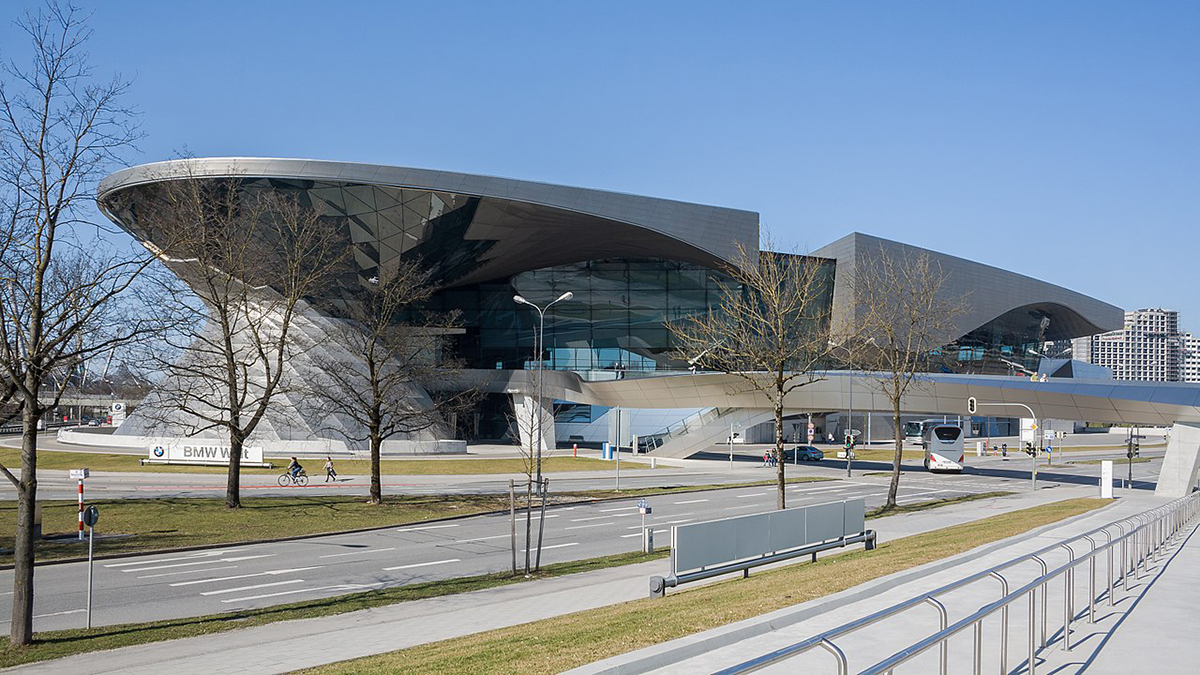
{"type": "Point", "coordinates": [855, 516]}
{"type": "Point", "coordinates": [824, 522]}
{"type": "Point", "coordinates": [717, 542]}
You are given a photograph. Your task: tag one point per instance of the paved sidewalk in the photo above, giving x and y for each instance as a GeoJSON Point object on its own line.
{"type": "Point", "coordinates": [1154, 629]}
{"type": "Point", "coordinates": [291, 645]}
{"type": "Point", "coordinates": [729, 645]}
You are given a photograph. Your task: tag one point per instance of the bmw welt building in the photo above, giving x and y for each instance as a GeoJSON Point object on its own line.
{"type": "Point", "coordinates": [633, 264]}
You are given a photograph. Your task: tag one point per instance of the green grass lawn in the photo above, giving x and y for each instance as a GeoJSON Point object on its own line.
{"type": "Point", "coordinates": [156, 524]}
{"type": "Point", "coordinates": [565, 642]}
{"type": "Point", "coordinates": [48, 459]}
{"type": "Point", "coordinates": [164, 524]}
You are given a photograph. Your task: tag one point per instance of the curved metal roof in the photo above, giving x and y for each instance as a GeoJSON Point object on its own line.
{"type": "Point", "coordinates": [712, 229]}
{"type": "Point", "coordinates": [989, 292]}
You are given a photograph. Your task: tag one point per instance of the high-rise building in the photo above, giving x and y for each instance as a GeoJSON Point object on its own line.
{"type": "Point", "coordinates": [1149, 347]}
{"type": "Point", "coordinates": [1191, 358]}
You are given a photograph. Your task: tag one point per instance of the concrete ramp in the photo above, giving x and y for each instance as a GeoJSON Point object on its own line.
{"type": "Point", "coordinates": [702, 431]}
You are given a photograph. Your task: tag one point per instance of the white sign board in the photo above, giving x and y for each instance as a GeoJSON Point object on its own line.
{"type": "Point", "coordinates": [79, 474]}
{"type": "Point", "coordinates": [202, 453]}
{"type": "Point", "coordinates": [1106, 479]}
{"type": "Point", "coordinates": [117, 412]}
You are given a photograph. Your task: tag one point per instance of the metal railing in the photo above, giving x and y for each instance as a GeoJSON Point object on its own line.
{"type": "Point", "coordinates": [696, 420]}
{"type": "Point", "coordinates": [1139, 539]}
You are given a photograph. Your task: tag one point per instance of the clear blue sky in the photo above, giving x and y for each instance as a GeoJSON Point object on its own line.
{"type": "Point", "coordinates": [1056, 139]}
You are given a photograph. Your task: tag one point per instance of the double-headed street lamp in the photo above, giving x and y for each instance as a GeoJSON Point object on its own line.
{"type": "Point", "coordinates": [538, 349]}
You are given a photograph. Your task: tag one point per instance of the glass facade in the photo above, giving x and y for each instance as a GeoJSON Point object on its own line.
{"type": "Point", "coordinates": [615, 321]}
{"type": "Point", "coordinates": [1007, 345]}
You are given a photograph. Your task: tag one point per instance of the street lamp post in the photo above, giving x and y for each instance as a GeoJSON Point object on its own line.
{"type": "Point", "coordinates": [538, 348]}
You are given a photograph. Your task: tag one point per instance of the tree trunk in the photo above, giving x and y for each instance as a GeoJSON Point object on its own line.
{"type": "Point", "coordinates": [21, 628]}
{"type": "Point", "coordinates": [376, 487]}
{"type": "Point", "coordinates": [898, 432]}
{"type": "Point", "coordinates": [780, 483]}
{"type": "Point", "coordinates": [233, 495]}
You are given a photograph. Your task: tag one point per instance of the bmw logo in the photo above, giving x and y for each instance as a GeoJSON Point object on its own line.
{"type": "Point", "coordinates": [158, 451]}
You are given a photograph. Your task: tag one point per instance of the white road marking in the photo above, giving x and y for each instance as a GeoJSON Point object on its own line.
{"type": "Point", "coordinates": [581, 520]}
{"type": "Point", "coordinates": [752, 494]}
{"type": "Point", "coordinates": [203, 554]}
{"type": "Point", "coordinates": [580, 527]}
{"type": "Point", "coordinates": [689, 501]}
{"type": "Point", "coordinates": [424, 564]}
{"type": "Point", "coordinates": [831, 488]}
{"type": "Point", "coordinates": [622, 508]}
{"type": "Point", "coordinates": [244, 576]}
{"type": "Point", "coordinates": [250, 588]}
{"type": "Point", "coordinates": [666, 522]}
{"type": "Point", "coordinates": [274, 595]}
{"type": "Point", "coordinates": [498, 536]}
{"type": "Point", "coordinates": [427, 527]}
{"type": "Point", "coordinates": [42, 616]}
{"type": "Point", "coordinates": [743, 506]}
{"type": "Point", "coordinates": [173, 574]}
{"type": "Point", "coordinates": [369, 550]}
{"type": "Point", "coordinates": [199, 562]}
{"type": "Point", "coordinates": [547, 548]}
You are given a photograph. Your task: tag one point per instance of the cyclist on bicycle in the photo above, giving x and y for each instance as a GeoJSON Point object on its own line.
{"type": "Point", "coordinates": [294, 468]}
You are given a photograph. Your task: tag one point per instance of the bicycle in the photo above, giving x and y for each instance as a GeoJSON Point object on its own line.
{"type": "Point", "coordinates": [286, 479]}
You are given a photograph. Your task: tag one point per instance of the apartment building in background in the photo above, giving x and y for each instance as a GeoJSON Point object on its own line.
{"type": "Point", "coordinates": [1191, 358]}
{"type": "Point", "coordinates": [1150, 347]}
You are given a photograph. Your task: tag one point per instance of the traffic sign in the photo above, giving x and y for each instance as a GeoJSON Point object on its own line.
{"type": "Point", "coordinates": [90, 516]}
{"type": "Point", "coordinates": [79, 474]}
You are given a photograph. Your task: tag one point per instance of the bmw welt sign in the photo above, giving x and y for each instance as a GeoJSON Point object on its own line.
{"type": "Point", "coordinates": [201, 453]}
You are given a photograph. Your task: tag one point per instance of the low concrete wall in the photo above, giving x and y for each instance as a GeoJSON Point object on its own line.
{"type": "Point", "coordinates": [311, 448]}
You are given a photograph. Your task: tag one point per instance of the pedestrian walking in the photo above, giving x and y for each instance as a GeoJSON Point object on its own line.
{"type": "Point", "coordinates": [330, 474]}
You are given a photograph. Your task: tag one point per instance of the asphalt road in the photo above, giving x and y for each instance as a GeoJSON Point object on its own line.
{"type": "Point", "coordinates": [142, 588]}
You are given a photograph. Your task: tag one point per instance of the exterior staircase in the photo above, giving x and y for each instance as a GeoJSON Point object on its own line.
{"type": "Point", "coordinates": [701, 431]}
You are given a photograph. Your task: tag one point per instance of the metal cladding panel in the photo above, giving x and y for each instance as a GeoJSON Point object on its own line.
{"type": "Point", "coordinates": [990, 292]}
{"type": "Point", "coordinates": [717, 542]}
{"type": "Point", "coordinates": [753, 536]}
{"type": "Point", "coordinates": [787, 527]}
{"type": "Point", "coordinates": [855, 511]}
{"type": "Point", "coordinates": [702, 545]}
{"type": "Point", "coordinates": [715, 230]}
{"type": "Point", "coordinates": [824, 521]}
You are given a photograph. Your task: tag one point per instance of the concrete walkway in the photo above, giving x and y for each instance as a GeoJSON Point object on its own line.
{"type": "Point", "coordinates": [1157, 621]}
{"type": "Point", "coordinates": [291, 645]}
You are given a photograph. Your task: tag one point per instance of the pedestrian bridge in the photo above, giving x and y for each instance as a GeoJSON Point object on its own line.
{"type": "Point", "coordinates": [1167, 404]}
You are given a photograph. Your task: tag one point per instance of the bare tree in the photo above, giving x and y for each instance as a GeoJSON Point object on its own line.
{"type": "Point", "coordinates": [904, 314]}
{"type": "Point", "coordinates": [60, 278]}
{"type": "Point", "coordinates": [385, 369]}
{"type": "Point", "coordinates": [252, 260]}
{"type": "Point", "coordinates": [770, 328]}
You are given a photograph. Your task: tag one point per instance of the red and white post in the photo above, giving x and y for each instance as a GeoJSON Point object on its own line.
{"type": "Point", "coordinates": [80, 509]}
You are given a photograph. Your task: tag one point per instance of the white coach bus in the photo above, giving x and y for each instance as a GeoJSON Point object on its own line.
{"type": "Point", "coordinates": [943, 445]}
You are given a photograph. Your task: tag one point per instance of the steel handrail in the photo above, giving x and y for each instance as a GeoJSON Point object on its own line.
{"type": "Point", "coordinates": [939, 638]}
{"type": "Point", "coordinates": [798, 648]}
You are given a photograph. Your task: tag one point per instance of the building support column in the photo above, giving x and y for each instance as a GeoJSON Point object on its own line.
{"type": "Point", "coordinates": [1179, 466]}
{"type": "Point", "coordinates": [526, 410]}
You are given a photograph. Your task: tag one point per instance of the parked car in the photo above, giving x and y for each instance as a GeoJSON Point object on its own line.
{"type": "Point", "coordinates": [93, 423]}
{"type": "Point", "coordinates": [806, 453]}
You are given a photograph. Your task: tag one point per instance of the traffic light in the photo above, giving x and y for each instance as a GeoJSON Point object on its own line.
{"type": "Point", "coordinates": [1029, 449]}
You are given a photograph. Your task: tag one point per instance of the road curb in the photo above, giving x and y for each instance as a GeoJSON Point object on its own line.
{"type": "Point", "coordinates": [298, 537]}
{"type": "Point", "coordinates": [723, 636]}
